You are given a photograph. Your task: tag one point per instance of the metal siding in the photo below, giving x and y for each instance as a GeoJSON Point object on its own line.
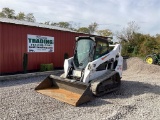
{"type": "Point", "coordinates": [62, 47]}
{"type": "Point", "coordinates": [6, 52]}
{"type": "Point", "coordinates": [0, 47]}
{"type": "Point", "coordinates": [14, 45]}
{"type": "Point", "coordinates": [10, 49]}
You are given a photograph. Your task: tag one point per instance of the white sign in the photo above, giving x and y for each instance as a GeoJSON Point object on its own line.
{"type": "Point", "coordinates": [37, 43]}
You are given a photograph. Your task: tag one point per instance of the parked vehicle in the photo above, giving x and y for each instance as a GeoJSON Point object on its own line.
{"type": "Point", "coordinates": [153, 58]}
{"type": "Point", "coordinates": [95, 69]}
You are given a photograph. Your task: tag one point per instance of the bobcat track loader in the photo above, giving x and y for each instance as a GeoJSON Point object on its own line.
{"type": "Point", "coordinates": [94, 70]}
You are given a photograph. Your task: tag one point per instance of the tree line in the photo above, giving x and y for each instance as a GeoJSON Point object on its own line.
{"type": "Point", "coordinates": [10, 13]}
{"type": "Point", "coordinates": [137, 44]}
{"type": "Point", "coordinates": [90, 29]}
{"type": "Point", "coordinates": [133, 42]}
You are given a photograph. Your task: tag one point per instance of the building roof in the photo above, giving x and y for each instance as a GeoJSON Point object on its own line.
{"type": "Point", "coordinates": [20, 22]}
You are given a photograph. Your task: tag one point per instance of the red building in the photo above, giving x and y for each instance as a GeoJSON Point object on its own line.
{"type": "Point", "coordinates": [15, 41]}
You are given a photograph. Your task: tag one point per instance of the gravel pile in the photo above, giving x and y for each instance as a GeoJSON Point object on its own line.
{"type": "Point", "coordinates": [137, 99]}
{"type": "Point", "coordinates": [138, 66]}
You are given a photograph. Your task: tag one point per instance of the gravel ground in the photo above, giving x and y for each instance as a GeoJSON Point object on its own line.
{"type": "Point", "coordinates": [137, 99]}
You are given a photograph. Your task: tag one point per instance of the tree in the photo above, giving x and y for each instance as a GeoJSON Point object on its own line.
{"type": "Point", "coordinates": [54, 24]}
{"type": "Point", "coordinates": [126, 34]}
{"type": "Point", "coordinates": [10, 13]}
{"type": "Point", "coordinates": [47, 23]}
{"type": "Point", "coordinates": [158, 41]}
{"type": "Point", "coordinates": [73, 29]}
{"type": "Point", "coordinates": [7, 13]}
{"type": "Point", "coordinates": [61, 24]}
{"type": "Point", "coordinates": [141, 45]}
{"type": "Point", "coordinates": [30, 17]}
{"type": "Point", "coordinates": [92, 27]}
{"type": "Point", "coordinates": [2, 15]}
{"type": "Point", "coordinates": [20, 16]}
{"type": "Point", "coordinates": [64, 24]}
{"type": "Point", "coordinates": [84, 30]}
{"type": "Point", "coordinates": [104, 32]}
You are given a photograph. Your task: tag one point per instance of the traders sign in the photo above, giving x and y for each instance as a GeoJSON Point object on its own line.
{"type": "Point", "coordinates": [37, 43]}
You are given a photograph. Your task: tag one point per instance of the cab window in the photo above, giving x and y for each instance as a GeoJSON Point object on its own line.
{"type": "Point", "coordinates": [102, 48]}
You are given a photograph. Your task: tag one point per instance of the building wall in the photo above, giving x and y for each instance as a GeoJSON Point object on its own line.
{"type": "Point", "coordinates": [13, 41]}
{"type": "Point", "coordinates": [0, 48]}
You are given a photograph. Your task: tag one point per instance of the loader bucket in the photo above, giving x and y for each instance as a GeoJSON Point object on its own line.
{"type": "Point", "coordinates": [66, 90]}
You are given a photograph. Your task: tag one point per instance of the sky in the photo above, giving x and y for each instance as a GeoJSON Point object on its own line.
{"type": "Point", "coordinates": [109, 14]}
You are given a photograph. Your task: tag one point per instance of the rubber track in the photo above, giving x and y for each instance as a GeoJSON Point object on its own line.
{"type": "Point", "coordinates": [101, 79]}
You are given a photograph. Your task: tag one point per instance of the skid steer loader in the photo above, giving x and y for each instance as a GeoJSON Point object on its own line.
{"type": "Point", "coordinates": [94, 70]}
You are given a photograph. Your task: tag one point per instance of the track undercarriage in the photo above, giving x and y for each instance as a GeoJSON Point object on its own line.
{"type": "Point", "coordinates": [106, 83]}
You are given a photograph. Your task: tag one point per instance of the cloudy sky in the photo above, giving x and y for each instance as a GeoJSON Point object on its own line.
{"type": "Point", "coordinates": [109, 14]}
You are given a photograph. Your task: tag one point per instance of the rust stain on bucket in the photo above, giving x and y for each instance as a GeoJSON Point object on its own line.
{"type": "Point", "coordinates": [62, 95]}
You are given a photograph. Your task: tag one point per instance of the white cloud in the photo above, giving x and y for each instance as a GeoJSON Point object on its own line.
{"type": "Point", "coordinates": [111, 14]}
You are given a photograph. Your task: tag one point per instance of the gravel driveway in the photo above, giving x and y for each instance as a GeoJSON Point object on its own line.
{"type": "Point", "coordinates": [137, 99]}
